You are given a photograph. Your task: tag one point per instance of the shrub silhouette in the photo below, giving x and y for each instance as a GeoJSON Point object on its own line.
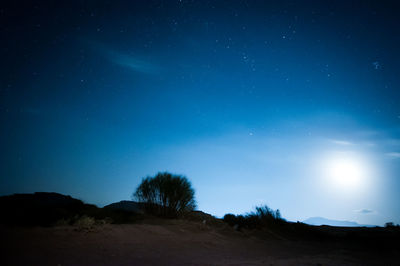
{"type": "Point", "coordinates": [166, 194]}
{"type": "Point", "coordinates": [230, 219]}
{"type": "Point", "coordinates": [262, 217]}
{"type": "Point", "coordinates": [389, 224]}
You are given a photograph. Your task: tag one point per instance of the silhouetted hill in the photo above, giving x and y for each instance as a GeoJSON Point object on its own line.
{"type": "Point", "coordinates": [47, 208]}
{"type": "Point", "coordinates": [324, 221]}
{"type": "Point", "coordinates": [40, 208]}
{"type": "Point", "coordinates": [41, 199]}
{"type": "Point", "coordinates": [126, 205]}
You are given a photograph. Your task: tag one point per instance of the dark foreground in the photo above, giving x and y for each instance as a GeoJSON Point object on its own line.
{"type": "Point", "coordinates": [182, 242]}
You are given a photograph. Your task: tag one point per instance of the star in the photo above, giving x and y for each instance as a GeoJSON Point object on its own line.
{"type": "Point", "coordinates": [376, 65]}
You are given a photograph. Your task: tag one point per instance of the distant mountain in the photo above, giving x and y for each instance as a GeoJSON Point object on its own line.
{"type": "Point", "coordinates": [325, 221]}
{"type": "Point", "coordinates": [126, 205]}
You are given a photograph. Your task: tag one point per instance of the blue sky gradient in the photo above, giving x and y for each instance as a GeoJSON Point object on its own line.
{"type": "Point", "coordinates": [245, 98]}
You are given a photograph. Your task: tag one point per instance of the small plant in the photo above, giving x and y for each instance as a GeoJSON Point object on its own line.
{"type": "Point", "coordinates": [230, 219]}
{"type": "Point", "coordinates": [266, 216]}
{"type": "Point", "coordinates": [63, 222]}
{"type": "Point", "coordinates": [104, 221]}
{"type": "Point", "coordinates": [85, 223]}
{"type": "Point", "coordinates": [391, 225]}
{"type": "Point", "coordinates": [262, 217]}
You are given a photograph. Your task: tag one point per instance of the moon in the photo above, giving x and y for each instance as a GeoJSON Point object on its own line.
{"type": "Point", "coordinates": [345, 171]}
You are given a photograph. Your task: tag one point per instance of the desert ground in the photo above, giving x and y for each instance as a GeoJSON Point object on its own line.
{"type": "Point", "coordinates": [178, 242]}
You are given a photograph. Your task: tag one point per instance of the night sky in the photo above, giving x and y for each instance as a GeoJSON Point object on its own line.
{"type": "Point", "coordinates": [291, 104]}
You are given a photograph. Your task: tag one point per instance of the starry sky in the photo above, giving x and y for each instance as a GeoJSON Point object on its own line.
{"type": "Point", "coordinates": [248, 99]}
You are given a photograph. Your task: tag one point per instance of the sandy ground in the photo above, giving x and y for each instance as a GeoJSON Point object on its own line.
{"type": "Point", "coordinates": [172, 243]}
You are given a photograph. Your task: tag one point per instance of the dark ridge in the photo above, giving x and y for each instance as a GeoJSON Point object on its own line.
{"type": "Point", "coordinates": [40, 208]}
{"type": "Point", "coordinates": [48, 208]}
{"type": "Point", "coordinates": [126, 205]}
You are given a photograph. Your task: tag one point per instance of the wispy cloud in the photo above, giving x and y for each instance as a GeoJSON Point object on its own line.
{"type": "Point", "coordinates": [134, 62]}
{"type": "Point", "coordinates": [364, 211]}
{"type": "Point", "coordinates": [341, 142]}
{"type": "Point", "coordinates": [368, 144]}
{"type": "Point", "coordinates": [393, 154]}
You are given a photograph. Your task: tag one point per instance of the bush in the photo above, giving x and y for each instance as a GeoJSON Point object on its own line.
{"type": "Point", "coordinates": [266, 215]}
{"type": "Point", "coordinates": [85, 223]}
{"type": "Point", "coordinates": [262, 217]}
{"type": "Point", "coordinates": [166, 194]}
{"type": "Point", "coordinates": [230, 219]}
{"type": "Point", "coordinates": [391, 225]}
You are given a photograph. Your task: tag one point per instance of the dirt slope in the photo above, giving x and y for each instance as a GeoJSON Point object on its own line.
{"type": "Point", "coordinates": [172, 242]}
